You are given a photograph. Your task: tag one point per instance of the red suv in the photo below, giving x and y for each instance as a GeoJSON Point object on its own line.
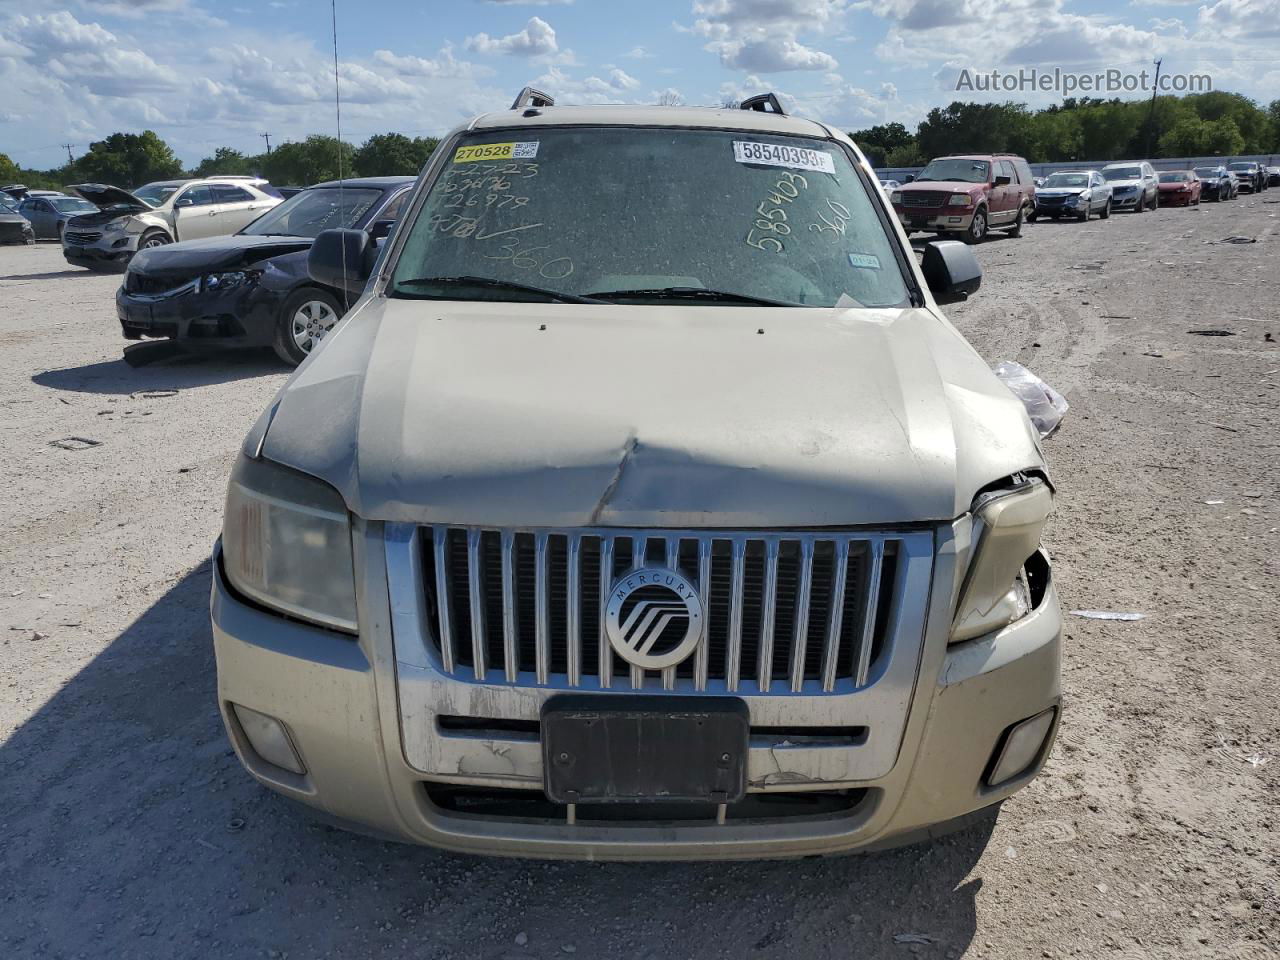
{"type": "Point", "coordinates": [968, 195]}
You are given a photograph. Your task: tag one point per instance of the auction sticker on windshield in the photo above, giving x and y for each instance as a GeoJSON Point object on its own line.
{"type": "Point", "coordinates": [782, 155]}
{"type": "Point", "coordinates": [497, 151]}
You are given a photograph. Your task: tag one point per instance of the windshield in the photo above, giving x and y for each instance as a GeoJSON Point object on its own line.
{"type": "Point", "coordinates": [71, 205]}
{"type": "Point", "coordinates": [1068, 180]}
{"type": "Point", "coordinates": [1242, 166]}
{"type": "Point", "coordinates": [156, 193]}
{"type": "Point", "coordinates": [1206, 172]}
{"type": "Point", "coordinates": [8, 205]}
{"type": "Point", "coordinates": [956, 168]}
{"type": "Point", "coordinates": [305, 214]}
{"type": "Point", "coordinates": [1174, 177]}
{"type": "Point", "coordinates": [647, 215]}
{"type": "Point", "coordinates": [1123, 173]}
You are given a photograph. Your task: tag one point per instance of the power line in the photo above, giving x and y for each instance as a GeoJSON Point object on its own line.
{"type": "Point", "coordinates": [70, 158]}
{"type": "Point", "coordinates": [267, 137]}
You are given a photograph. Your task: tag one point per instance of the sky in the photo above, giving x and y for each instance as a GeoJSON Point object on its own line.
{"type": "Point", "coordinates": [210, 73]}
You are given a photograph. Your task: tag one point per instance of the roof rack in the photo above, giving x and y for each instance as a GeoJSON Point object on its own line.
{"type": "Point", "coordinates": [529, 97]}
{"type": "Point", "coordinates": [764, 103]}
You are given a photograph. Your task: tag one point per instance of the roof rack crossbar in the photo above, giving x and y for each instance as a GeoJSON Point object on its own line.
{"type": "Point", "coordinates": [529, 97]}
{"type": "Point", "coordinates": [764, 103]}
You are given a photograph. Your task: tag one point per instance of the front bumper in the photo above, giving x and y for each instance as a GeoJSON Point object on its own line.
{"type": "Point", "coordinates": [16, 233]}
{"type": "Point", "coordinates": [1171, 199]}
{"type": "Point", "coordinates": [240, 317]}
{"type": "Point", "coordinates": [937, 220]}
{"type": "Point", "coordinates": [109, 250]}
{"type": "Point", "coordinates": [347, 717]}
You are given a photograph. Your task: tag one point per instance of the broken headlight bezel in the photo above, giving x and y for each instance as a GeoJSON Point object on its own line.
{"type": "Point", "coordinates": [1007, 524]}
{"type": "Point", "coordinates": [228, 280]}
{"type": "Point", "coordinates": [286, 543]}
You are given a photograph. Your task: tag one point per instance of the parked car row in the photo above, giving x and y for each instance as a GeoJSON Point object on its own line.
{"type": "Point", "coordinates": [971, 194]}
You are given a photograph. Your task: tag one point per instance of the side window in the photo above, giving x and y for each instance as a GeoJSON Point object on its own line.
{"type": "Point", "coordinates": [223, 193]}
{"type": "Point", "coordinates": [199, 196]}
{"type": "Point", "coordinates": [393, 209]}
{"type": "Point", "coordinates": [1006, 170]}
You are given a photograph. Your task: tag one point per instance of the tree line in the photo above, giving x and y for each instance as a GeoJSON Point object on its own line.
{"type": "Point", "coordinates": [1202, 124]}
{"type": "Point", "coordinates": [132, 159]}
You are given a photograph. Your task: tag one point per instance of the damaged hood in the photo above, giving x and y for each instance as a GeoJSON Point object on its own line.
{"type": "Point", "coordinates": [191, 257]}
{"type": "Point", "coordinates": [103, 195]}
{"type": "Point", "coordinates": [648, 416]}
{"type": "Point", "coordinates": [1061, 191]}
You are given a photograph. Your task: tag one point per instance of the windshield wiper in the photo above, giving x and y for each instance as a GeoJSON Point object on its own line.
{"type": "Point", "coordinates": [495, 284]}
{"type": "Point", "coordinates": [694, 293]}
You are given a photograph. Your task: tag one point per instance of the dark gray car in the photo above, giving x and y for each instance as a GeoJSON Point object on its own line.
{"type": "Point", "coordinates": [49, 214]}
{"type": "Point", "coordinates": [14, 227]}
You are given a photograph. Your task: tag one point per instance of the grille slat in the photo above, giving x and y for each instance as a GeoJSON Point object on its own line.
{"type": "Point", "coordinates": [797, 611]}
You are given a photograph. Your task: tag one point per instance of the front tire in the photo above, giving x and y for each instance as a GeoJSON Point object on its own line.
{"type": "Point", "coordinates": [1016, 229]}
{"type": "Point", "coordinates": [154, 238]}
{"type": "Point", "coordinates": [306, 318]}
{"type": "Point", "coordinates": [1106, 210]}
{"type": "Point", "coordinates": [977, 231]}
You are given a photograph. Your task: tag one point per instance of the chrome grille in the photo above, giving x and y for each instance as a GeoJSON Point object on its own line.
{"type": "Point", "coordinates": [81, 237]}
{"type": "Point", "coordinates": [923, 198]}
{"type": "Point", "coordinates": [785, 612]}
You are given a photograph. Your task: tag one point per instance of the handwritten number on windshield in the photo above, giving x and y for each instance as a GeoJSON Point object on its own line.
{"type": "Point", "coordinates": [773, 220]}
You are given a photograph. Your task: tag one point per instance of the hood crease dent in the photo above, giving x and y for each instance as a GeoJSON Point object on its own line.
{"type": "Point", "coordinates": [649, 416]}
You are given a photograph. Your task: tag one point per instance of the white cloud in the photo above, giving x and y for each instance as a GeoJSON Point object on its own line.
{"type": "Point", "coordinates": [621, 80]}
{"type": "Point", "coordinates": [87, 57]}
{"type": "Point", "coordinates": [537, 39]}
{"type": "Point", "coordinates": [530, 3]}
{"type": "Point", "coordinates": [1234, 19]}
{"type": "Point", "coordinates": [444, 64]}
{"type": "Point", "coordinates": [638, 53]}
{"type": "Point", "coordinates": [764, 35]}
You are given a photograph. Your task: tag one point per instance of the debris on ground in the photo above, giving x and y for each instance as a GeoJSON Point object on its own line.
{"type": "Point", "coordinates": [1107, 615]}
{"type": "Point", "coordinates": [1211, 333]}
{"type": "Point", "coordinates": [75, 443]}
{"type": "Point", "coordinates": [1045, 406]}
{"type": "Point", "coordinates": [1254, 760]}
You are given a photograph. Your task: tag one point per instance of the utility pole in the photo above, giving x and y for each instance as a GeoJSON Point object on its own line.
{"type": "Point", "coordinates": [70, 158]}
{"type": "Point", "coordinates": [267, 137]}
{"type": "Point", "coordinates": [1151, 113]}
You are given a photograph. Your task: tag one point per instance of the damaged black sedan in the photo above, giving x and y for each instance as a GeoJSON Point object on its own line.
{"type": "Point", "coordinates": [251, 289]}
{"type": "Point", "coordinates": [14, 227]}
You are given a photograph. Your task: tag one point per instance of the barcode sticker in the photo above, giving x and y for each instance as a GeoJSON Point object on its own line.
{"type": "Point", "coordinates": [782, 155]}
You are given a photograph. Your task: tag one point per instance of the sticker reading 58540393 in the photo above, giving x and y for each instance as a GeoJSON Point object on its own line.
{"type": "Point", "coordinates": [497, 151]}
{"type": "Point", "coordinates": [782, 155]}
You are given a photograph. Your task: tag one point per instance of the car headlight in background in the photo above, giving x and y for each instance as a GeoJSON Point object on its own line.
{"type": "Point", "coordinates": [895, 197]}
{"type": "Point", "coordinates": [960, 200]}
{"type": "Point", "coordinates": [286, 543]}
{"type": "Point", "coordinates": [233, 278]}
{"type": "Point", "coordinates": [1007, 526]}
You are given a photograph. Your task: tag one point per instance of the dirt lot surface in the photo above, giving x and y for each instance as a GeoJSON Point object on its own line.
{"type": "Point", "coordinates": [127, 828]}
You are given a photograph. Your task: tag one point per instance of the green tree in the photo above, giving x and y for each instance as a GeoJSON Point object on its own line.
{"type": "Point", "coordinates": [8, 170]}
{"type": "Point", "coordinates": [225, 160]}
{"type": "Point", "coordinates": [879, 141]}
{"type": "Point", "coordinates": [128, 160]}
{"type": "Point", "coordinates": [311, 161]}
{"type": "Point", "coordinates": [393, 154]}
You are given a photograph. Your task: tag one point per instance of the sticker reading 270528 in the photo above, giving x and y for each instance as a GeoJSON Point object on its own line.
{"type": "Point", "coordinates": [497, 151]}
{"type": "Point", "coordinates": [782, 155]}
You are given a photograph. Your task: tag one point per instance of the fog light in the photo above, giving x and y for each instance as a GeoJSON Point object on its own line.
{"type": "Point", "coordinates": [1022, 744]}
{"type": "Point", "coordinates": [269, 739]}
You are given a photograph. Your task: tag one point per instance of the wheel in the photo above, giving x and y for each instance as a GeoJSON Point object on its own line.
{"type": "Point", "coordinates": [1016, 229]}
{"type": "Point", "coordinates": [152, 239]}
{"type": "Point", "coordinates": [306, 317]}
{"type": "Point", "coordinates": [977, 228]}
{"type": "Point", "coordinates": [1106, 210]}
{"type": "Point", "coordinates": [1087, 215]}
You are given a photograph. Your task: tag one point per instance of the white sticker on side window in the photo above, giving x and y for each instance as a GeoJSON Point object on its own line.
{"type": "Point", "coordinates": [782, 155]}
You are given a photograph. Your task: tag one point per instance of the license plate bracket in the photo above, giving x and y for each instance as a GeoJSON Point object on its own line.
{"type": "Point", "coordinates": [643, 749]}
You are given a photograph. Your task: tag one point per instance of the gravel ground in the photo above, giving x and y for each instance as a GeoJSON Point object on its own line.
{"type": "Point", "coordinates": [127, 828]}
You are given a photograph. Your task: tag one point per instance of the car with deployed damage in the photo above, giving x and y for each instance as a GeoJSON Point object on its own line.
{"type": "Point", "coordinates": [158, 213]}
{"type": "Point", "coordinates": [968, 195]}
{"type": "Point", "coordinates": [14, 227]}
{"type": "Point", "coordinates": [49, 213]}
{"type": "Point", "coordinates": [1180, 188]}
{"type": "Point", "coordinates": [1216, 183]}
{"type": "Point", "coordinates": [1073, 193]}
{"type": "Point", "coordinates": [1251, 175]}
{"type": "Point", "coordinates": [646, 505]}
{"type": "Point", "coordinates": [251, 289]}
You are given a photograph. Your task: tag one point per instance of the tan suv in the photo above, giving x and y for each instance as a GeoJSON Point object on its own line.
{"type": "Point", "coordinates": [645, 506]}
{"type": "Point", "coordinates": [968, 195]}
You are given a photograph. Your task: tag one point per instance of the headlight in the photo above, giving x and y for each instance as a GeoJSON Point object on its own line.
{"type": "Point", "coordinates": [1074, 198]}
{"type": "Point", "coordinates": [286, 542]}
{"type": "Point", "coordinates": [960, 200]}
{"type": "Point", "coordinates": [1007, 527]}
{"type": "Point", "coordinates": [225, 281]}
{"type": "Point", "coordinates": [895, 197]}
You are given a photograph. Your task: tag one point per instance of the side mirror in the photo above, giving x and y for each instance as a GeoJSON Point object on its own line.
{"type": "Point", "coordinates": [951, 270]}
{"type": "Point", "coordinates": [342, 259]}
{"type": "Point", "coordinates": [381, 228]}
{"type": "Point", "coordinates": [185, 202]}
{"type": "Point", "coordinates": [909, 178]}
{"type": "Point", "coordinates": [1002, 180]}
